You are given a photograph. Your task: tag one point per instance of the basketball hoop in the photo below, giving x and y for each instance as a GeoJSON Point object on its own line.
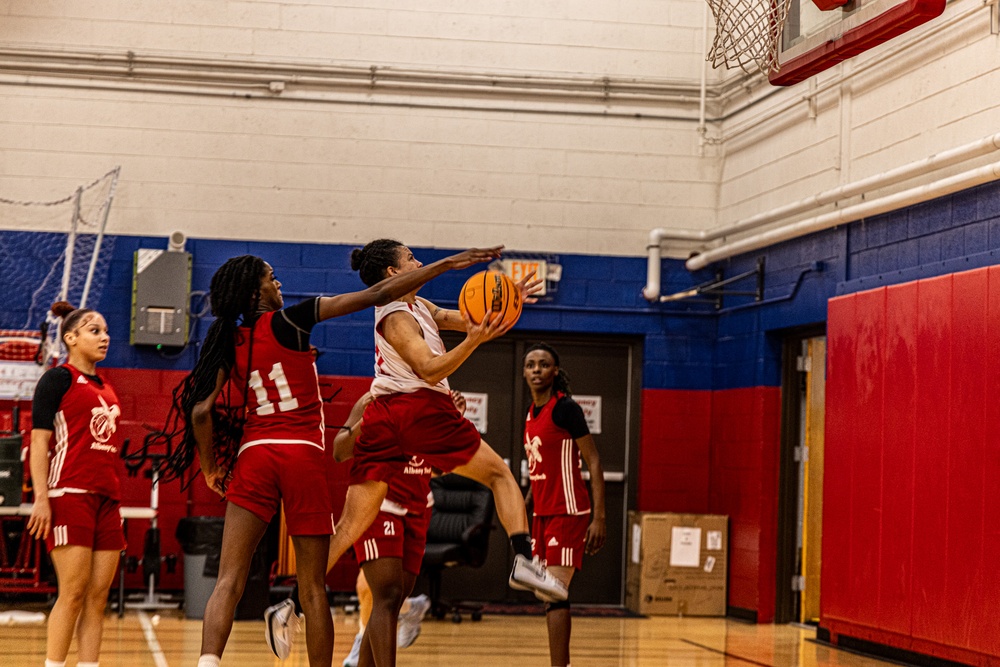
{"type": "Point", "coordinates": [747, 33]}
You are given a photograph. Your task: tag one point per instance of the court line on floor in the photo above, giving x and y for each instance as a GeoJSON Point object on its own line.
{"type": "Point", "coordinates": [151, 640]}
{"type": "Point", "coordinates": [727, 654]}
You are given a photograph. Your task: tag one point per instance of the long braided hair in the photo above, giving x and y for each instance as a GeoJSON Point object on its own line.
{"type": "Point", "coordinates": [372, 261]}
{"type": "Point", "coordinates": [561, 381]}
{"type": "Point", "coordinates": [234, 297]}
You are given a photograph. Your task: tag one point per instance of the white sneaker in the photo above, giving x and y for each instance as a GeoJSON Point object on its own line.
{"type": "Point", "coordinates": [352, 658]}
{"type": "Point", "coordinates": [280, 625]}
{"type": "Point", "coordinates": [409, 623]}
{"type": "Point", "coordinates": [530, 575]}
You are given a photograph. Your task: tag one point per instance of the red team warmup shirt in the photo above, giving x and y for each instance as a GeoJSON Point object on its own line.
{"type": "Point", "coordinates": [284, 404]}
{"type": "Point", "coordinates": [83, 450]}
{"type": "Point", "coordinates": [554, 465]}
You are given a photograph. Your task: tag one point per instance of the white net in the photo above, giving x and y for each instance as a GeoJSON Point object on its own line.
{"type": "Point", "coordinates": [41, 267]}
{"type": "Point", "coordinates": [747, 33]}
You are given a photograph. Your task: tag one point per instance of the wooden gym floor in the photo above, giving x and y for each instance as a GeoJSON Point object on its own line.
{"type": "Point", "coordinates": [140, 640]}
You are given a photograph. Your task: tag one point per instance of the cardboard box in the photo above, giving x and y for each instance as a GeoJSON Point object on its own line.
{"type": "Point", "coordinates": [677, 564]}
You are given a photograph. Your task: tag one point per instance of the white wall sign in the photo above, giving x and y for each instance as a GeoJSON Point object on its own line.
{"type": "Point", "coordinates": [476, 407]}
{"type": "Point", "coordinates": [591, 411]}
{"type": "Point", "coordinates": [18, 379]}
{"type": "Point", "coordinates": [685, 547]}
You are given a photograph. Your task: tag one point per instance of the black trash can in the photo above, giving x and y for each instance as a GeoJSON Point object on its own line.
{"type": "Point", "coordinates": [200, 538]}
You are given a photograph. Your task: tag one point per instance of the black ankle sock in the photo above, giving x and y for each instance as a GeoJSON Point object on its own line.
{"type": "Point", "coordinates": [521, 544]}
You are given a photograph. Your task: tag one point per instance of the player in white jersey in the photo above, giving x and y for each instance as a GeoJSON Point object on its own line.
{"type": "Point", "coordinates": [413, 415]}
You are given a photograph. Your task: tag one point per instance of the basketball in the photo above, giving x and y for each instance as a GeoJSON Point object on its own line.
{"type": "Point", "coordinates": [490, 292]}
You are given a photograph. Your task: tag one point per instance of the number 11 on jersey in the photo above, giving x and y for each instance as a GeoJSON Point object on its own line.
{"type": "Point", "coordinates": [277, 376]}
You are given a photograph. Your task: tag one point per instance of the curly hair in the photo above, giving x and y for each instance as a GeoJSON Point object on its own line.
{"type": "Point", "coordinates": [561, 381]}
{"type": "Point", "coordinates": [372, 261]}
{"type": "Point", "coordinates": [234, 297]}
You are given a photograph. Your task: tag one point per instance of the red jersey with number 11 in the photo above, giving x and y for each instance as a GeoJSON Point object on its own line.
{"type": "Point", "coordinates": [554, 465]}
{"type": "Point", "coordinates": [283, 399]}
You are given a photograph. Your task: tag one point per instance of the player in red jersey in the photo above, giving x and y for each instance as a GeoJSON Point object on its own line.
{"type": "Point", "coordinates": [74, 453]}
{"type": "Point", "coordinates": [271, 419]}
{"type": "Point", "coordinates": [564, 526]}
{"type": "Point", "coordinates": [413, 414]}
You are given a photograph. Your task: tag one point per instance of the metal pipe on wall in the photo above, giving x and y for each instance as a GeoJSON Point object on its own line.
{"type": "Point", "coordinates": [922, 193]}
{"type": "Point", "coordinates": [926, 165]}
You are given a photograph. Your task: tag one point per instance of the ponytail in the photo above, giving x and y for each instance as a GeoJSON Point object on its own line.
{"type": "Point", "coordinates": [234, 296]}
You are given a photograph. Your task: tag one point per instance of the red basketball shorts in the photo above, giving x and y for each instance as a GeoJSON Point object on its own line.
{"type": "Point", "coordinates": [267, 474]}
{"type": "Point", "coordinates": [86, 520]}
{"type": "Point", "coordinates": [394, 536]}
{"type": "Point", "coordinates": [425, 424]}
{"type": "Point", "coordinates": [560, 540]}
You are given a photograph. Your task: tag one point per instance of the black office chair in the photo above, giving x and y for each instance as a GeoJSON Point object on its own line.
{"type": "Point", "coordinates": [458, 534]}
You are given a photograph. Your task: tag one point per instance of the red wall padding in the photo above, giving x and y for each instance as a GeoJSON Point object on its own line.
{"type": "Point", "coordinates": [717, 452]}
{"type": "Point", "coordinates": [910, 537]}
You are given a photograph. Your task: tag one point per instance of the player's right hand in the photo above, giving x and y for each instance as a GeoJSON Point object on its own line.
{"type": "Point", "coordinates": [40, 521]}
{"type": "Point", "coordinates": [216, 479]}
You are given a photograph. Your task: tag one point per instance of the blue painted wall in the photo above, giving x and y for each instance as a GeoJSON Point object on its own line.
{"type": "Point", "coordinates": [687, 345]}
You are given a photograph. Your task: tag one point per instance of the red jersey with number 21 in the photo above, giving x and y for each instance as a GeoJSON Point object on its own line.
{"type": "Point", "coordinates": [283, 401]}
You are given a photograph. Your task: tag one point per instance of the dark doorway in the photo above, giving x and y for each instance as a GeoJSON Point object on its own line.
{"type": "Point", "coordinates": [599, 366]}
{"type": "Point", "coordinates": [800, 509]}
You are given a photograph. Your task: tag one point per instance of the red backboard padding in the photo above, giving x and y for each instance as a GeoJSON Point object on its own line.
{"type": "Point", "coordinates": [892, 23]}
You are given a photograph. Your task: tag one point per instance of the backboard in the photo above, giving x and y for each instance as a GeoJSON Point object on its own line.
{"type": "Point", "coordinates": [814, 40]}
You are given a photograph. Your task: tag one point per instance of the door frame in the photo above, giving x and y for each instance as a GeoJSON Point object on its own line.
{"type": "Point", "coordinates": [785, 604]}
{"type": "Point", "coordinates": [634, 344]}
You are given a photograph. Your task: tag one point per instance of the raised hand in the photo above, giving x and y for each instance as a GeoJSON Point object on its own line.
{"type": "Point", "coordinates": [491, 327]}
{"type": "Point", "coordinates": [472, 256]}
{"type": "Point", "coordinates": [528, 286]}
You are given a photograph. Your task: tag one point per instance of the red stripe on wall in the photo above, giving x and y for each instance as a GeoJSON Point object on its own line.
{"type": "Point", "coordinates": [717, 452]}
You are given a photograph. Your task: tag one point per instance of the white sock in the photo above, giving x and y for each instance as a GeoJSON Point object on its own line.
{"type": "Point", "coordinates": [54, 663]}
{"type": "Point", "coordinates": [209, 660]}
{"type": "Point", "coordinates": [88, 664]}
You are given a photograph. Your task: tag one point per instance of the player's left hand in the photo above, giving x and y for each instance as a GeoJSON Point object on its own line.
{"type": "Point", "coordinates": [596, 534]}
{"type": "Point", "coordinates": [529, 285]}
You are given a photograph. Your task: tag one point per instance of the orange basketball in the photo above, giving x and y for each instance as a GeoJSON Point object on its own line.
{"type": "Point", "coordinates": [490, 292]}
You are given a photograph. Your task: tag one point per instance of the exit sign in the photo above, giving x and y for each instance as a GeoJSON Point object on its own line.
{"type": "Point", "coordinates": [519, 268]}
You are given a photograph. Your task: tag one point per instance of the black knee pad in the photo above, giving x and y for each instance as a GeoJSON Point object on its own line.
{"type": "Point", "coordinates": [553, 606]}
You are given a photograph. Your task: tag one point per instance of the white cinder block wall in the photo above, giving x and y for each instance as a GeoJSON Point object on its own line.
{"type": "Point", "coordinates": [567, 126]}
{"type": "Point", "coordinates": [340, 164]}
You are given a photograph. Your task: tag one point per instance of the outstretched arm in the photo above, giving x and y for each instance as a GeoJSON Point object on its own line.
{"type": "Point", "coordinates": [201, 425]}
{"type": "Point", "coordinates": [392, 288]}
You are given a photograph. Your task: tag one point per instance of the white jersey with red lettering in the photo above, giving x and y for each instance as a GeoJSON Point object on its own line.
{"type": "Point", "coordinates": [283, 402]}
{"type": "Point", "coordinates": [83, 450]}
{"type": "Point", "coordinates": [392, 374]}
